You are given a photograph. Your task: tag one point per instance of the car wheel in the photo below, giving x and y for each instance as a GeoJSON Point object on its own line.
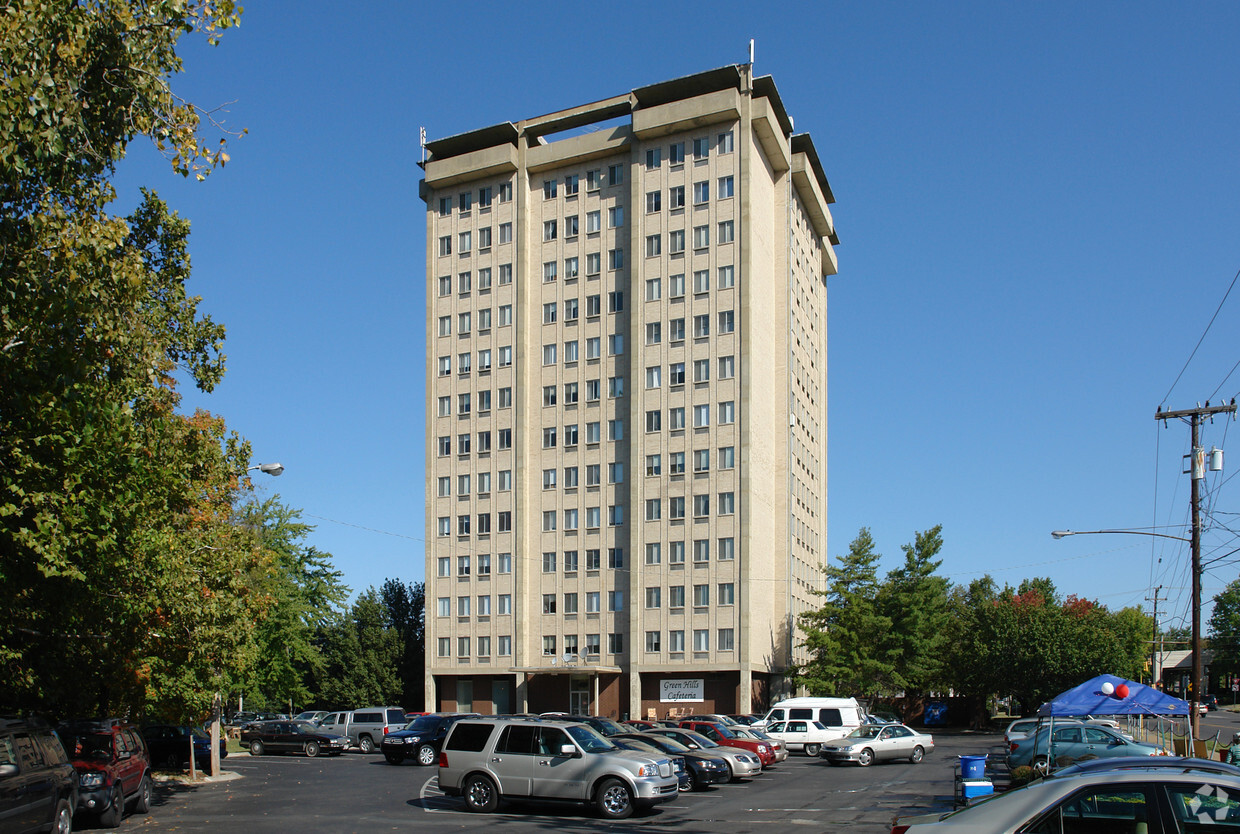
{"type": "Point", "coordinates": [62, 823]}
{"type": "Point", "coordinates": [366, 744]}
{"type": "Point", "coordinates": [614, 799]}
{"type": "Point", "coordinates": [695, 781]}
{"type": "Point", "coordinates": [142, 805]}
{"type": "Point", "coordinates": [312, 749]}
{"type": "Point", "coordinates": [1041, 765]}
{"type": "Point", "coordinates": [256, 748]}
{"type": "Point", "coordinates": [111, 818]}
{"type": "Point", "coordinates": [731, 773]}
{"type": "Point", "coordinates": [917, 755]}
{"type": "Point", "coordinates": [427, 755]}
{"type": "Point", "coordinates": [812, 749]}
{"type": "Point", "coordinates": [866, 758]}
{"type": "Point", "coordinates": [393, 758]}
{"type": "Point", "coordinates": [480, 794]}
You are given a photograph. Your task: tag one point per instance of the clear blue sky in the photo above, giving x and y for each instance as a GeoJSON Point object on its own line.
{"type": "Point", "coordinates": [1038, 207]}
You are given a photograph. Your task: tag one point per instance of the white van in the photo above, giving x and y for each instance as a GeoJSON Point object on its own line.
{"type": "Point", "coordinates": [839, 715]}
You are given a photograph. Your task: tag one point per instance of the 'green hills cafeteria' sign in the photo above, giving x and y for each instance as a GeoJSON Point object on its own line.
{"type": "Point", "coordinates": [675, 691]}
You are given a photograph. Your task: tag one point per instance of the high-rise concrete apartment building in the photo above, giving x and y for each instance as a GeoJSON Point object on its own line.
{"type": "Point", "coordinates": [626, 402]}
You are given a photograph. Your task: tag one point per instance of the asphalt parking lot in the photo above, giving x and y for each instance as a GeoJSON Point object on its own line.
{"type": "Point", "coordinates": [357, 792]}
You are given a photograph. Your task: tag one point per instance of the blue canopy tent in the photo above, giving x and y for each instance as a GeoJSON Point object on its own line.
{"type": "Point", "coordinates": [1088, 699]}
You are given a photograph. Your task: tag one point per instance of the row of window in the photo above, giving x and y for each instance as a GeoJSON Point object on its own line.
{"type": "Point", "coordinates": [726, 640]}
{"type": "Point", "coordinates": [594, 181]}
{"type": "Point", "coordinates": [503, 645]}
{"type": "Point", "coordinates": [569, 477]}
{"type": "Point", "coordinates": [465, 282]}
{"type": "Point", "coordinates": [465, 201]}
{"type": "Point", "coordinates": [726, 279]}
{"type": "Point", "coordinates": [724, 143]}
{"type": "Point", "coordinates": [568, 560]}
{"type": "Point", "coordinates": [701, 239]}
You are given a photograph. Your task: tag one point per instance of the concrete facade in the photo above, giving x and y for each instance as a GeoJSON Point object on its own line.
{"type": "Point", "coordinates": [627, 402]}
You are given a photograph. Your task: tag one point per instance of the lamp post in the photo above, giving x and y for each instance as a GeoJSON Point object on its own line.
{"type": "Point", "coordinates": [1195, 543]}
{"type": "Point", "coordinates": [274, 470]}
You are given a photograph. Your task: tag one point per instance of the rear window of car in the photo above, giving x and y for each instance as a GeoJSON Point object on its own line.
{"type": "Point", "coordinates": [471, 738]}
{"type": "Point", "coordinates": [396, 716]}
{"type": "Point", "coordinates": [800, 713]}
{"type": "Point", "coordinates": [367, 718]}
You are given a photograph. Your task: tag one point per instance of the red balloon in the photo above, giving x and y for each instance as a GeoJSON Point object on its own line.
{"type": "Point", "coordinates": [1121, 691]}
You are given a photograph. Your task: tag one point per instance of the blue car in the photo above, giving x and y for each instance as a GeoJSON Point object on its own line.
{"type": "Point", "coordinates": [1073, 743]}
{"type": "Point", "coordinates": [169, 746]}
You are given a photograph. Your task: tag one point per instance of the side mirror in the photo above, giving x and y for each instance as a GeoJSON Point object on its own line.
{"type": "Point", "coordinates": [7, 770]}
{"type": "Point", "coordinates": [568, 751]}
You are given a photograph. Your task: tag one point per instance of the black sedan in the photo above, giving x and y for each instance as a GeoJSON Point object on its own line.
{"type": "Point", "coordinates": [704, 770]}
{"type": "Point", "coordinates": [292, 737]}
{"type": "Point", "coordinates": [421, 738]}
{"type": "Point", "coordinates": [169, 745]}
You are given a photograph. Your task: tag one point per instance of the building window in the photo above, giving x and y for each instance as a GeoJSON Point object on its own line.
{"type": "Point", "coordinates": [548, 645]}
{"type": "Point", "coordinates": [727, 503]}
{"type": "Point", "coordinates": [654, 246]}
{"type": "Point", "coordinates": [570, 226]}
{"type": "Point", "coordinates": [505, 276]}
{"type": "Point", "coordinates": [615, 515]}
{"type": "Point", "coordinates": [676, 199]}
{"type": "Point", "coordinates": [701, 639]}
{"type": "Point", "coordinates": [654, 553]}
{"type": "Point", "coordinates": [701, 148]}
{"type": "Point", "coordinates": [445, 285]}
{"type": "Point", "coordinates": [504, 566]}
{"type": "Point", "coordinates": [503, 604]}
{"type": "Point", "coordinates": [615, 344]}
{"type": "Point", "coordinates": [484, 647]}
{"type": "Point", "coordinates": [484, 237]}
{"type": "Point", "coordinates": [701, 416]}
{"type": "Point", "coordinates": [549, 189]}
{"type": "Point", "coordinates": [654, 289]}
{"type": "Point", "coordinates": [550, 228]}
{"type": "Point", "coordinates": [701, 237]}
{"type": "Point", "coordinates": [676, 596]}
{"type": "Point", "coordinates": [701, 370]}
{"type": "Point", "coordinates": [727, 367]}
{"type": "Point", "coordinates": [464, 241]}
{"type": "Point", "coordinates": [615, 258]}
{"type": "Point", "coordinates": [676, 241]}
{"type": "Point", "coordinates": [548, 354]}
{"type": "Point", "coordinates": [615, 174]}
{"type": "Point", "coordinates": [570, 603]}
{"type": "Point", "coordinates": [724, 144]}
{"type": "Point", "coordinates": [549, 272]}
{"type": "Point", "coordinates": [505, 233]}
{"type": "Point", "coordinates": [701, 192]}
{"type": "Point", "coordinates": [726, 231]}
{"type": "Point", "coordinates": [550, 309]}
{"type": "Point", "coordinates": [725, 549]}
{"type": "Point", "coordinates": [654, 421]}
{"type": "Point", "coordinates": [676, 556]}
{"type": "Point", "coordinates": [593, 391]}
{"type": "Point", "coordinates": [652, 641]}
{"type": "Point", "coordinates": [726, 640]}
{"type": "Point", "coordinates": [676, 285]}
{"type": "Point", "coordinates": [504, 517]}
{"type": "Point", "coordinates": [701, 326]}
{"type": "Point", "coordinates": [615, 387]}
{"type": "Point", "coordinates": [592, 601]}
{"type": "Point", "coordinates": [701, 281]}
{"type": "Point", "coordinates": [615, 644]}
{"type": "Point", "coordinates": [593, 435]}
{"type": "Point", "coordinates": [701, 554]}
{"type": "Point", "coordinates": [615, 558]}
{"type": "Point", "coordinates": [676, 374]}
{"type": "Point", "coordinates": [462, 562]}
{"type": "Point", "coordinates": [676, 508]}
{"type": "Point", "coordinates": [676, 154]}
{"type": "Point", "coordinates": [726, 594]}
{"type": "Point", "coordinates": [570, 270]}
{"type": "Point", "coordinates": [727, 413]}
{"type": "Point", "coordinates": [654, 201]}
{"type": "Point", "coordinates": [484, 197]}
{"type": "Point", "coordinates": [504, 645]}
{"type": "Point", "coordinates": [727, 322]}
{"type": "Point", "coordinates": [462, 606]}
{"type": "Point", "coordinates": [654, 465]}
{"type": "Point", "coordinates": [727, 457]}
{"type": "Point", "coordinates": [593, 179]}
{"type": "Point", "coordinates": [445, 246]}
{"type": "Point", "coordinates": [570, 435]}
{"type": "Point", "coordinates": [676, 422]}
{"type": "Point", "coordinates": [654, 509]}
{"type": "Point", "coordinates": [701, 596]}
{"type": "Point", "coordinates": [444, 607]}
{"type": "Point", "coordinates": [615, 217]}
{"type": "Point", "coordinates": [548, 603]}
{"type": "Point", "coordinates": [701, 460]}
{"type": "Point", "coordinates": [654, 157]}
{"type": "Point", "coordinates": [505, 192]}
{"type": "Point", "coordinates": [445, 206]}
{"type": "Point", "coordinates": [571, 184]}
{"type": "Point", "coordinates": [725, 188]}
{"type": "Point", "coordinates": [445, 646]}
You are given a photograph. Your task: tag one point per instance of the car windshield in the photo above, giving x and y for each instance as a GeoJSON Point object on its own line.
{"type": "Point", "coordinates": [667, 745]}
{"type": "Point", "coordinates": [305, 728]}
{"type": "Point", "coordinates": [867, 731]}
{"type": "Point", "coordinates": [725, 732]}
{"type": "Point", "coordinates": [589, 740]}
{"type": "Point", "coordinates": [639, 744]}
{"type": "Point", "coordinates": [699, 739]}
{"type": "Point", "coordinates": [89, 745]}
{"type": "Point", "coordinates": [606, 725]}
{"type": "Point", "coordinates": [422, 724]}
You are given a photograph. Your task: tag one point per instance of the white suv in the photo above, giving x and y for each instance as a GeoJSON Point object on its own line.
{"type": "Point", "coordinates": [488, 759]}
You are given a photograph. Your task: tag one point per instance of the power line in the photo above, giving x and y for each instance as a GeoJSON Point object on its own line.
{"type": "Point", "coordinates": [1202, 339]}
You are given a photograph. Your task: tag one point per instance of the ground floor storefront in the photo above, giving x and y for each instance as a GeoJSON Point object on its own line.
{"type": "Point", "coordinates": [610, 692]}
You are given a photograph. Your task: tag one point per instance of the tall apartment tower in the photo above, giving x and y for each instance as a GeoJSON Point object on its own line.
{"type": "Point", "coordinates": [626, 403]}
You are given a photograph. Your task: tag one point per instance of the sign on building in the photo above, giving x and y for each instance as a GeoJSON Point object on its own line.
{"type": "Point", "coordinates": [682, 690]}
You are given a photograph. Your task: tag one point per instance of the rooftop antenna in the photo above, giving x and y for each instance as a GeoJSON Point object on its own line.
{"type": "Point", "coordinates": [422, 140]}
{"type": "Point", "coordinates": [751, 52]}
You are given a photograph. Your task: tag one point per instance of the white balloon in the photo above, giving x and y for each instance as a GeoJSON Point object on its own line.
{"type": "Point", "coordinates": [1108, 688]}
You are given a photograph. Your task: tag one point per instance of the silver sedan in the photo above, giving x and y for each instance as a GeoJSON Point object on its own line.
{"type": "Point", "coordinates": [871, 743]}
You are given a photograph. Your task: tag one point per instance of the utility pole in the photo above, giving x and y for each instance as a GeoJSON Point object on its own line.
{"type": "Point", "coordinates": [1155, 647]}
{"type": "Point", "coordinates": [1193, 417]}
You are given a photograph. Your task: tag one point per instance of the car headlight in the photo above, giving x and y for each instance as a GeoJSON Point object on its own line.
{"type": "Point", "coordinates": [91, 780]}
{"type": "Point", "coordinates": [762, 748]}
{"type": "Point", "coordinates": [413, 739]}
{"type": "Point", "coordinates": [647, 770]}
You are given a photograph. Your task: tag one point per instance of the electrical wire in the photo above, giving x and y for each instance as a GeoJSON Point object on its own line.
{"type": "Point", "coordinates": [1202, 339]}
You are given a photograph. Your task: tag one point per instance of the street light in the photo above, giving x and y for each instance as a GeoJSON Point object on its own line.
{"type": "Point", "coordinates": [274, 470]}
{"type": "Point", "coordinates": [1195, 679]}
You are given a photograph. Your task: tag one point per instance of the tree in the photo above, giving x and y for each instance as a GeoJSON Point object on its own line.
{"type": "Point", "coordinates": [113, 508]}
{"type": "Point", "coordinates": [361, 654]}
{"type": "Point", "coordinates": [1224, 630]}
{"type": "Point", "coordinates": [916, 602]}
{"type": "Point", "coordinates": [406, 608]}
{"type": "Point", "coordinates": [844, 636]}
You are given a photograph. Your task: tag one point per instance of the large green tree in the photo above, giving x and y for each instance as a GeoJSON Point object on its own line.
{"type": "Point", "coordinates": [844, 637]}
{"type": "Point", "coordinates": [361, 657]}
{"type": "Point", "coordinates": [1224, 630]}
{"type": "Point", "coordinates": [405, 605]}
{"type": "Point", "coordinates": [915, 599]}
{"type": "Point", "coordinates": [115, 511]}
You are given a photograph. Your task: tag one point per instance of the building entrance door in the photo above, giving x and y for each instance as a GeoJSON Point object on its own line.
{"type": "Point", "coordinates": [579, 694]}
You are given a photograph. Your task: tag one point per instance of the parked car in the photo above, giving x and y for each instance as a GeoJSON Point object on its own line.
{"type": "Point", "coordinates": [421, 738]}
{"type": "Point", "coordinates": [741, 763]}
{"type": "Point", "coordinates": [759, 734]}
{"type": "Point", "coordinates": [883, 718]}
{"type": "Point", "coordinates": [38, 785]}
{"type": "Point", "coordinates": [168, 745]}
{"type": "Point", "coordinates": [113, 767]}
{"type": "Point", "coordinates": [871, 743]}
{"type": "Point", "coordinates": [603, 726]}
{"type": "Point", "coordinates": [725, 720]}
{"type": "Point", "coordinates": [365, 728]}
{"type": "Point", "coordinates": [806, 737]}
{"type": "Point", "coordinates": [1073, 743]}
{"type": "Point", "coordinates": [1210, 702]}
{"type": "Point", "coordinates": [841, 715]}
{"type": "Point", "coordinates": [240, 719]}
{"type": "Point", "coordinates": [314, 716]}
{"type": "Point", "coordinates": [292, 737]}
{"type": "Point", "coordinates": [679, 766]}
{"type": "Point", "coordinates": [723, 735]}
{"type": "Point", "coordinates": [747, 720]}
{"type": "Point", "coordinates": [704, 769]}
{"type": "Point", "coordinates": [1152, 798]}
{"type": "Point", "coordinates": [486, 760]}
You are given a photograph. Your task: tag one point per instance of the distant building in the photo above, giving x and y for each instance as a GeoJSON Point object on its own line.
{"type": "Point", "coordinates": [627, 402]}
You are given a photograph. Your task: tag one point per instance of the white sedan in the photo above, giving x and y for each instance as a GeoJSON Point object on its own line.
{"type": "Point", "coordinates": [871, 743]}
{"type": "Point", "coordinates": [806, 736]}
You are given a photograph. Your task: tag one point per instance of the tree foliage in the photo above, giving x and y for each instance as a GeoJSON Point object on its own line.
{"type": "Point", "coordinates": [1224, 630]}
{"type": "Point", "coordinates": [406, 609]}
{"type": "Point", "coordinates": [915, 599]}
{"type": "Point", "coordinates": [116, 542]}
{"type": "Point", "coordinates": [361, 656]}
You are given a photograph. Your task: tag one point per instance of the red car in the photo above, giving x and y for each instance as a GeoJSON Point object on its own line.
{"type": "Point", "coordinates": [720, 734]}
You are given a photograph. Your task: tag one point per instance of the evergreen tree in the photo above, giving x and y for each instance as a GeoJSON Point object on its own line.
{"type": "Point", "coordinates": [916, 602]}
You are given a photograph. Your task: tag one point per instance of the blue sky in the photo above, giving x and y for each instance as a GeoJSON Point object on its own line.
{"type": "Point", "coordinates": [1037, 206]}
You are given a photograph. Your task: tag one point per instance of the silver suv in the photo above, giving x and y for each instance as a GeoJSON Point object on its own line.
{"type": "Point", "coordinates": [489, 759]}
{"type": "Point", "coordinates": [365, 728]}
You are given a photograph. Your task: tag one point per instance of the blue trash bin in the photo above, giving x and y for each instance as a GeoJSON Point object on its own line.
{"type": "Point", "coordinates": [972, 768]}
